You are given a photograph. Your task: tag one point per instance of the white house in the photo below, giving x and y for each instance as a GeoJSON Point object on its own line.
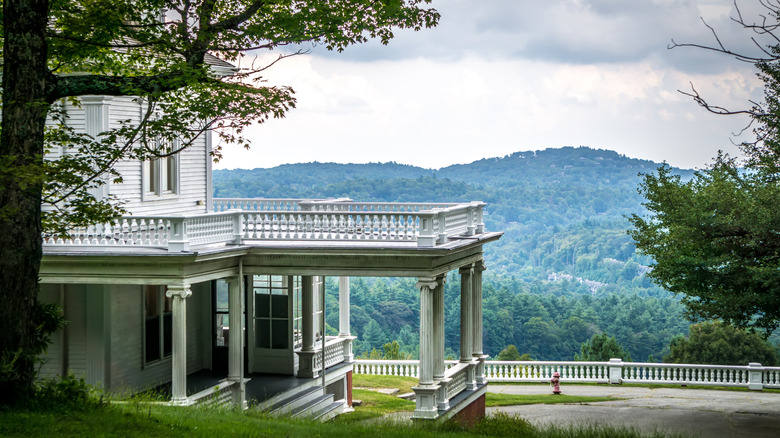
{"type": "Point", "coordinates": [221, 299]}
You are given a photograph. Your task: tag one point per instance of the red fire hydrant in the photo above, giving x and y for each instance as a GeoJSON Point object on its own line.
{"type": "Point", "coordinates": [556, 382]}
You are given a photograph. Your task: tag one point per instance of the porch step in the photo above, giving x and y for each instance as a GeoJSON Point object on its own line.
{"type": "Point", "coordinates": [329, 411]}
{"type": "Point", "coordinates": [292, 403]}
{"type": "Point", "coordinates": [315, 407]}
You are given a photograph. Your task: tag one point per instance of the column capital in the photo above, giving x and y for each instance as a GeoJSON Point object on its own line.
{"type": "Point", "coordinates": [427, 282]}
{"type": "Point", "coordinates": [178, 290]}
{"type": "Point", "coordinates": [480, 266]}
{"type": "Point", "coordinates": [468, 269]}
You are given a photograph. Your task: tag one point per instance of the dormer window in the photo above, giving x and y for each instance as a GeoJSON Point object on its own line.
{"type": "Point", "coordinates": [161, 175]}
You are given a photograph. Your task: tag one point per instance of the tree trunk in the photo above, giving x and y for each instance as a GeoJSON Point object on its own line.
{"type": "Point", "coordinates": [24, 109]}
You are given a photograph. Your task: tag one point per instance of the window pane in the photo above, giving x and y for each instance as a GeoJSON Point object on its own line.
{"type": "Point", "coordinates": [169, 183]}
{"type": "Point", "coordinates": [281, 335]}
{"type": "Point", "coordinates": [150, 301]}
{"type": "Point", "coordinates": [152, 338]}
{"type": "Point", "coordinates": [279, 306]}
{"type": "Point", "coordinates": [153, 176]}
{"type": "Point", "coordinates": [222, 296]}
{"type": "Point", "coordinates": [222, 335]}
{"type": "Point", "coordinates": [262, 306]}
{"type": "Point", "coordinates": [262, 333]}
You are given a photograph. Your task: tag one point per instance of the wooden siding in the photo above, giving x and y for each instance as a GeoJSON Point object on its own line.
{"type": "Point", "coordinates": [128, 372]}
{"type": "Point", "coordinates": [194, 169]}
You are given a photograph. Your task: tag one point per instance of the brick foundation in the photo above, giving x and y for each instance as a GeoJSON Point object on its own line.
{"type": "Point", "coordinates": [472, 413]}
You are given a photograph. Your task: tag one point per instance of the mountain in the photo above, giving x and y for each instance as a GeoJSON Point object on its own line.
{"type": "Point", "coordinates": [564, 269]}
{"type": "Point", "coordinates": [562, 210]}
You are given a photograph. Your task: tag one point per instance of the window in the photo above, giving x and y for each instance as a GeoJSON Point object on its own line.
{"type": "Point", "coordinates": [158, 324]}
{"type": "Point", "coordinates": [161, 175]}
{"type": "Point", "coordinates": [221, 314]}
{"type": "Point", "coordinates": [272, 295]}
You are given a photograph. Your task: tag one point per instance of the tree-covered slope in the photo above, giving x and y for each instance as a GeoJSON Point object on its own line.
{"type": "Point", "coordinates": [563, 214]}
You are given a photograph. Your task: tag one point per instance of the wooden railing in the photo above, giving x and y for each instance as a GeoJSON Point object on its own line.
{"type": "Point", "coordinates": [238, 220]}
{"type": "Point", "coordinates": [219, 395]}
{"type": "Point", "coordinates": [752, 376]}
{"type": "Point", "coordinates": [336, 349]}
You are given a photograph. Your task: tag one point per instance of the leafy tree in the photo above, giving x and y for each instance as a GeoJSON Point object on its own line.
{"type": "Point", "coordinates": [715, 238]}
{"type": "Point", "coordinates": [717, 343]}
{"type": "Point", "coordinates": [373, 335]}
{"type": "Point", "coordinates": [511, 353]}
{"type": "Point", "coordinates": [55, 50]}
{"type": "Point", "coordinates": [601, 348]}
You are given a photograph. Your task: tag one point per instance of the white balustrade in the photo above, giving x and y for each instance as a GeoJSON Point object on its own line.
{"type": "Point", "coordinates": [257, 204]}
{"type": "Point", "coordinates": [753, 376]}
{"type": "Point", "coordinates": [427, 224]}
{"type": "Point", "coordinates": [336, 348]}
{"type": "Point", "coordinates": [219, 395]}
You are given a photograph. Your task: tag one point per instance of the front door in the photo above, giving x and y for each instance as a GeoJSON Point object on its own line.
{"type": "Point", "coordinates": [274, 323]}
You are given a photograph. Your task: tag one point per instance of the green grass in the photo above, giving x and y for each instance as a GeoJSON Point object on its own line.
{"type": "Point", "coordinates": [404, 384]}
{"type": "Point", "coordinates": [66, 409]}
{"type": "Point", "coordinates": [143, 420]}
{"type": "Point", "coordinates": [493, 399]}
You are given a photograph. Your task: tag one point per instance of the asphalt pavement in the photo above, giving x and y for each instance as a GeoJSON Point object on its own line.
{"type": "Point", "coordinates": [693, 412]}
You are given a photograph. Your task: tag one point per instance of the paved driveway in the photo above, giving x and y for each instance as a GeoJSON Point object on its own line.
{"type": "Point", "coordinates": [693, 412]}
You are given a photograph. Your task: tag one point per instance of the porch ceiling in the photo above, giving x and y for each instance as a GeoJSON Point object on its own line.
{"type": "Point", "coordinates": [103, 265]}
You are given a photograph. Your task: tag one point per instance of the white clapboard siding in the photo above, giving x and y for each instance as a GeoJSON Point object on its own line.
{"type": "Point", "coordinates": [193, 167]}
{"type": "Point", "coordinates": [75, 315]}
{"type": "Point", "coordinates": [128, 372]}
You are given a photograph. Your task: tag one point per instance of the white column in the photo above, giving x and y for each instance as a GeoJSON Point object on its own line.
{"type": "Point", "coordinates": [476, 294]}
{"type": "Point", "coordinates": [438, 336]}
{"type": "Point", "coordinates": [179, 293]}
{"type": "Point", "coordinates": [344, 329]}
{"type": "Point", "coordinates": [466, 317]}
{"type": "Point", "coordinates": [425, 392]}
{"type": "Point", "coordinates": [306, 357]}
{"type": "Point", "coordinates": [476, 312]}
{"type": "Point", "coordinates": [438, 328]}
{"type": "Point", "coordinates": [236, 348]}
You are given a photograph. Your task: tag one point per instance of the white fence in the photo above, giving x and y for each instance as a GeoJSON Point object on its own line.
{"type": "Point", "coordinates": [753, 376]}
{"type": "Point", "coordinates": [236, 220]}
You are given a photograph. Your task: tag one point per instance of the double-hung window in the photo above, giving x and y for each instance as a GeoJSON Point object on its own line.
{"type": "Point", "coordinates": [161, 174]}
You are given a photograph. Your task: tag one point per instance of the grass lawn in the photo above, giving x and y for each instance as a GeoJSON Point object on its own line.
{"type": "Point", "coordinates": [67, 416]}
{"type": "Point", "coordinates": [377, 405]}
{"type": "Point", "coordinates": [144, 420]}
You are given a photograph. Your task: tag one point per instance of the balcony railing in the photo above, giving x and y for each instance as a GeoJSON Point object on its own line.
{"type": "Point", "coordinates": [237, 220]}
{"type": "Point", "coordinates": [753, 376]}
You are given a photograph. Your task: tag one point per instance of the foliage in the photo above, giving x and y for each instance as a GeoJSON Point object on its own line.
{"type": "Point", "coordinates": [511, 353]}
{"type": "Point", "coordinates": [602, 348]}
{"type": "Point", "coordinates": [714, 240]}
{"type": "Point", "coordinates": [163, 54]}
{"type": "Point", "coordinates": [717, 343]}
{"type": "Point", "coordinates": [47, 319]}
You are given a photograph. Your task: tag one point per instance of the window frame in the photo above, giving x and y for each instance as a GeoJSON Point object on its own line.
{"type": "Point", "coordinates": [162, 319]}
{"type": "Point", "coordinates": [161, 176]}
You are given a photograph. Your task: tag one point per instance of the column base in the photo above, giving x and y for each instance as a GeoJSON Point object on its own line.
{"type": "Point", "coordinates": [306, 363]}
{"type": "Point", "coordinates": [425, 397]}
{"type": "Point", "coordinates": [185, 401]}
{"type": "Point", "coordinates": [441, 395]}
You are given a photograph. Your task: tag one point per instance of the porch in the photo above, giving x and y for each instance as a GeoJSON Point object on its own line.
{"type": "Point", "coordinates": [295, 243]}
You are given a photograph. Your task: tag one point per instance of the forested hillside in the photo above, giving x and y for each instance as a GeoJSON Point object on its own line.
{"type": "Point", "coordinates": [564, 269]}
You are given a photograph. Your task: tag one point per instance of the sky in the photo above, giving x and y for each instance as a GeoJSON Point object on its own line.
{"type": "Point", "coordinates": [501, 76]}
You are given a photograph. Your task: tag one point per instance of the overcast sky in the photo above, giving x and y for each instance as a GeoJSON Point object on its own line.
{"type": "Point", "coordinates": [500, 76]}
